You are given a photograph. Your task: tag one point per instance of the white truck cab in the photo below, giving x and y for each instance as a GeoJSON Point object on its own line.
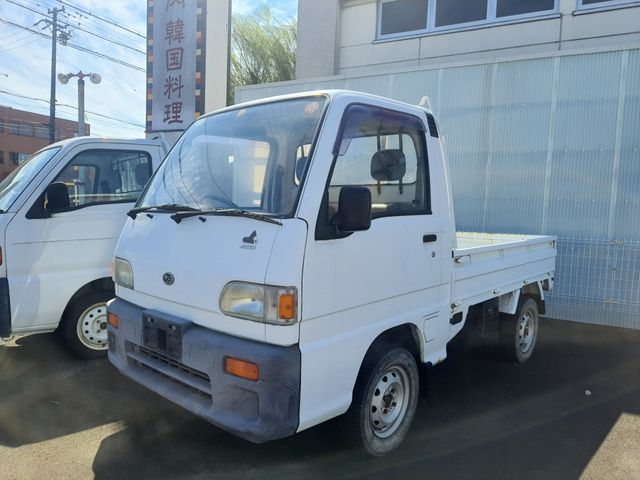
{"type": "Point", "coordinates": [296, 258]}
{"type": "Point", "coordinates": [61, 213]}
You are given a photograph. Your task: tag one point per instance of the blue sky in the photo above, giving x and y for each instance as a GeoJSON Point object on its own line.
{"type": "Point", "coordinates": [25, 60]}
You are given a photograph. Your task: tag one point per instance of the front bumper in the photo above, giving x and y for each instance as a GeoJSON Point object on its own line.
{"type": "Point", "coordinates": [259, 411]}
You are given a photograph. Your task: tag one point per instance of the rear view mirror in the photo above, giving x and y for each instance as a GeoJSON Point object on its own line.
{"type": "Point", "coordinates": [57, 197]}
{"type": "Point", "coordinates": [354, 209]}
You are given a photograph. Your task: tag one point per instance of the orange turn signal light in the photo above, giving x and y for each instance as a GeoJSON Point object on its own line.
{"type": "Point", "coordinates": [113, 320]}
{"type": "Point", "coordinates": [287, 306]}
{"type": "Point", "coordinates": [242, 368]}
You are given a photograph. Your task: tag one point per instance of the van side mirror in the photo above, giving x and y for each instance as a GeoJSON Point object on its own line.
{"type": "Point", "coordinates": [57, 197]}
{"type": "Point", "coordinates": [354, 209]}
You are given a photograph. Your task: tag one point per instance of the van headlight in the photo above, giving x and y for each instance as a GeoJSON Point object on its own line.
{"type": "Point", "coordinates": [260, 303]}
{"type": "Point", "coordinates": [122, 273]}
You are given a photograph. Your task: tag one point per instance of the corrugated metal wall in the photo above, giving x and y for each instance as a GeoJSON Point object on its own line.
{"type": "Point", "coordinates": [543, 145]}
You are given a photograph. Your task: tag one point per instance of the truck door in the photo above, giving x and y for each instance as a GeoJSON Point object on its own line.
{"type": "Point", "coordinates": [52, 253]}
{"type": "Point", "coordinates": [358, 285]}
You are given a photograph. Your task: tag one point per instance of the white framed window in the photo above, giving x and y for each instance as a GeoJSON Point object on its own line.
{"type": "Point", "coordinates": [401, 18]}
{"type": "Point", "coordinates": [602, 4]}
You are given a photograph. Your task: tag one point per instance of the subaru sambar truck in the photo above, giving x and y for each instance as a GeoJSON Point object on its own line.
{"type": "Point", "coordinates": [295, 259]}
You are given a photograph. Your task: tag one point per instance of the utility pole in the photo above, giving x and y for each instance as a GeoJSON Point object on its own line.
{"type": "Point", "coordinates": [81, 106]}
{"type": "Point", "coordinates": [52, 100]}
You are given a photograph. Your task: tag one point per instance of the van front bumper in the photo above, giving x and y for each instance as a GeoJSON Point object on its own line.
{"type": "Point", "coordinates": [193, 375]}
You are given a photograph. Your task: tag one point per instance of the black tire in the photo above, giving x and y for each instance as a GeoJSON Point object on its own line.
{"type": "Point", "coordinates": [90, 304]}
{"type": "Point", "coordinates": [519, 332]}
{"type": "Point", "coordinates": [397, 403]}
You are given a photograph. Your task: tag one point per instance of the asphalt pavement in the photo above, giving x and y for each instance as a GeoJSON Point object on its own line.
{"type": "Point", "coordinates": [572, 412]}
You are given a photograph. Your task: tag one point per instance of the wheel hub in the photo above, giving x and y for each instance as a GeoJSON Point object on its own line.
{"type": "Point", "coordinates": [92, 327]}
{"type": "Point", "coordinates": [526, 332]}
{"type": "Point", "coordinates": [389, 402]}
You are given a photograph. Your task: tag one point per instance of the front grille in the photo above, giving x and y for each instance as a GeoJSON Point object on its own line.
{"type": "Point", "coordinates": [171, 369]}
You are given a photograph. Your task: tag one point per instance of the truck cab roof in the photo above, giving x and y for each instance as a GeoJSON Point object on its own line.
{"type": "Point", "coordinates": [103, 140]}
{"type": "Point", "coordinates": [332, 94]}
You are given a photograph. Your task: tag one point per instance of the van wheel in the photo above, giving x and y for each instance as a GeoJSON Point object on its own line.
{"type": "Point", "coordinates": [84, 325]}
{"type": "Point", "coordinates": [519, 332]}
{"type": "Point", "coordinates": [384, 402]}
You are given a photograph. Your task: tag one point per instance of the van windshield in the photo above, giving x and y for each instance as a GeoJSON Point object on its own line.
{"type": "Point", "coordinates": [12, 186]}
{"type": "Point", "coordinates": [251, 158]}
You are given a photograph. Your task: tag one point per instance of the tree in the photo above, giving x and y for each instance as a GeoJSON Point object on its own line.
{"type": "Point", "coordinates": [263, 49]}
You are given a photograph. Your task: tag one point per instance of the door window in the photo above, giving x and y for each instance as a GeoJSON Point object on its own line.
{"type": "Point", "coordinates": [385, 152]}
{"type": "Point", "coordinates": [105, 176]}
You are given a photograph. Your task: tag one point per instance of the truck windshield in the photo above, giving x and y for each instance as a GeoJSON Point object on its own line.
{"type": "Point", "coordinates": [12, 186]}
{"type": "Point", "coordinates": [251, 158]}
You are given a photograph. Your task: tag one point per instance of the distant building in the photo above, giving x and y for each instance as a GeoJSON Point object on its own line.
{"type": "Point", "coordinates": [23, 133]}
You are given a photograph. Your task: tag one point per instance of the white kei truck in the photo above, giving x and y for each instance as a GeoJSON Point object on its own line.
{"type": "Point", "coordinates": [61, 213]}
{"type": "Point", "coordinates": [295, 259]}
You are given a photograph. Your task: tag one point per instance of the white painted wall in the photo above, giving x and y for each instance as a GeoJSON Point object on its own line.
{"type": "Point", "coordinates": [339, 37]}
{"type": "Point", "coordinates": [216, 54]}
{"type": "Point", "coordinates": [318, 24]}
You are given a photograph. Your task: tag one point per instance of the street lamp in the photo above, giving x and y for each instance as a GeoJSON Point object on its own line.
{"type": "Point", "coordinates": [94, 78]}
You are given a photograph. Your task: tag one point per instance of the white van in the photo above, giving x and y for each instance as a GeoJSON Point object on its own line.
{"type": "Point", "coordinates": [60, 216]}
{"type": "Point", "coordinates": [307, 265]}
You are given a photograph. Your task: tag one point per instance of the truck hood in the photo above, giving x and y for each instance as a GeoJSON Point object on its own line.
{"type": "Point", "coordinates": [201, 257]}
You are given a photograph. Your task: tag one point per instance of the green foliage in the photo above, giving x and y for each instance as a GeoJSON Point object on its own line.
{"type": "Point", "coordinates": [263, 49]}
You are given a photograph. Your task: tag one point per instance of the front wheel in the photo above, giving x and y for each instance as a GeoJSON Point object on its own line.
{"type": "Point", "coordinates": [84, 325]}
{"type": "Point", "coordinates": [384, 402]}
{"type": "Point", "coordinates": [519, 332]}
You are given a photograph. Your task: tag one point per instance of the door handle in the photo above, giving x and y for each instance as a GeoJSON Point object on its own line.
{"type": "Point", "coordinates": [432, 237]}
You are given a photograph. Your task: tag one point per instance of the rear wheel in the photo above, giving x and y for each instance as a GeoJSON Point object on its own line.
{"type": "Point", "coordinates": [84, 326]}
{"type": "Point", "coordinates": [384, 401]}
{"type": "Point", "coordinates": [519, 332]}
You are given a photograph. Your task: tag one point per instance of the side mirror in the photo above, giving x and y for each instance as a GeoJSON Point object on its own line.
{"type": "Point", "coordinates": [354, 209]}
{"type": "Point", "coordinates": [57, 197]}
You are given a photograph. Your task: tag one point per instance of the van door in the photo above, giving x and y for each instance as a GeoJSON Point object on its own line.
{"type": "Point", "coordinates": [357, 285]}
{"type": "Point", "coordinates": [53, 253]}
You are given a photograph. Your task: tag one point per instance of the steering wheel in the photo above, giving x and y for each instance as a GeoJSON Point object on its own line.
{"type": "Point", "coordinates": [223, 200]}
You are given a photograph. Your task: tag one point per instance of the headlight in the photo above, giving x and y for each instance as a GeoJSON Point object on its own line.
{"type": "Point", "coordinates": [260, 303]}
{"type": "Point", "coordinates": [122, 273]}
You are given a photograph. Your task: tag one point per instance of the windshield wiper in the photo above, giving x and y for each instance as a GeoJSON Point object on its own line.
{"type": "Point", "coordinates": [228, 212]}
{"type": "Point", "coordinates": [167, 207]}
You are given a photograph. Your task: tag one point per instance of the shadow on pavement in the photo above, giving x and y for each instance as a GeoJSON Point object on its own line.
{"type": "Point", "coordinates": [482, 419]}
{"type": "Point", "coordinates": [46, 392]}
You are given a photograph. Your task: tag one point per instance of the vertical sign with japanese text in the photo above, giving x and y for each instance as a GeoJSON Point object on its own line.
{"type": "Point", "coordinates": [173, 86]}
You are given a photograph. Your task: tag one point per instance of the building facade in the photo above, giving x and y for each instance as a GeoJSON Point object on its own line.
{"type": "Point", "coordinates": [540, 112]}
{"type": "Point", "coordinates": [338, 37]}
{"type": "Point", "coordinates": [23, 133]}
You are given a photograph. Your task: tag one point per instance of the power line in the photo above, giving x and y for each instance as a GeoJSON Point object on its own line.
{"type": "Point", "coordinates": [29, 41]}
{"type": "Point", "coordinates": [77, 27]}
{"type": "Point", "coordinates": [11, 35]}
{"type": "Point", "coordinates": [17, 39]}
{"type": "Point", "coordinates": [106, 57]}
{"type": "Point", "coordinates": [28, 8]}
{"type": "Point", "coordinates": [115, 42]}
{"type": "Point", "coordinates": [111, 22]}
{"type": "Point", "coordinates": [78, 47]}
{"type": "Point", "coordinates": [70, 106]}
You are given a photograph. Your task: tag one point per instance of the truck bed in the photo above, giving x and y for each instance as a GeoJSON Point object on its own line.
{"type": "Point", "coordinates": [488, 265]}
